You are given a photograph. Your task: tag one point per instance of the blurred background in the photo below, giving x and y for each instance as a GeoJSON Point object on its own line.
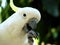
{"type": "Point", "coordinates": [48, 27]}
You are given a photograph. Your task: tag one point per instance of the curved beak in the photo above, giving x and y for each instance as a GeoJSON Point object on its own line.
{"type": "Point", "coordinates": [32, 24]}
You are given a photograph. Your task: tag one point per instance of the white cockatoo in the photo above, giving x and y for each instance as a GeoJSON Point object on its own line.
{"type": "Point", "coordinates": [18, 28]}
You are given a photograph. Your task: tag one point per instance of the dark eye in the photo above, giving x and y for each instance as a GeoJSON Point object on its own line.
{"type": "Point", "coordinates": [24, 15]}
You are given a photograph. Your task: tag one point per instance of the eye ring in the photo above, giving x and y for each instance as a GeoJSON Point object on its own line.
{"type": "Point", "coordinates": [24, 15]}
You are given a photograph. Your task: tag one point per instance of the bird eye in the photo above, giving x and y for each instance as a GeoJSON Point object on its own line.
{"type": "Point", "coordinates": [24, 15]}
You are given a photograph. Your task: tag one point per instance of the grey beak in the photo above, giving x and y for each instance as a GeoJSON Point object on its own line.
{"type": "Point", "coordinates": [33, 24]}
{"type": "Point", "coordinates": [31, 33]}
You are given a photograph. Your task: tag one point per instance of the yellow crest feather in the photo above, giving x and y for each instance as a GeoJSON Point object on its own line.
{"type": "Point", "coordinates": [14, 8]}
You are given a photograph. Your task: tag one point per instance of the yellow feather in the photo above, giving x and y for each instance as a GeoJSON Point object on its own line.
{"type": "Point", "coordinates": [14, 8]}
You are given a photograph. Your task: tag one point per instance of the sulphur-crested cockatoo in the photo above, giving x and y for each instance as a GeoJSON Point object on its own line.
{"type": "Point", "coordinates": [18, 28]}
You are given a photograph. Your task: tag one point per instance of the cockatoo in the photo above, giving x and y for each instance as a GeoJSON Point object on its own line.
{"type": "Point", "coordinates": [18, 29]}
